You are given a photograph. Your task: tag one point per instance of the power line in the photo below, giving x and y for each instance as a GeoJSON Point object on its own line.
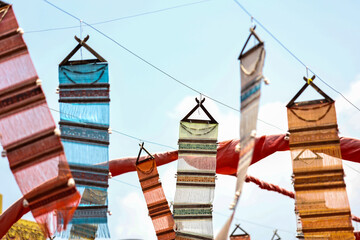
{"type": "Point", "coordinates": [152, 65]}
{"type": "Point", "coordinates": [142, 140]}
{"type": "Point", "coordinates": [292, 54]}
{"type": "Point", "coordinates": [118, 132]}
{"type": "Point", "coordinates": [254, 223]}
{"type": "Point", "coordinates": [126, 183]}
{"type": "Point", "coordinates": [120, 18]}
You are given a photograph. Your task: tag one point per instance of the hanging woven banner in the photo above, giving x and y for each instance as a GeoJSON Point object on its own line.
{"type": "Point", "coordinates": [158, 206]}
{"type": "Point", "coordinates": [84, 123]}
{"type": "Point", "coordinates": [320, 192]}
{"type": "Point", "coordinates": [195, 183]}
{"type": "Point", "coordinates": [242, 236]}
{"type": "Point", "coordinates": [28, 133]}
{"type": "Point", "coordinates": [251, 68]}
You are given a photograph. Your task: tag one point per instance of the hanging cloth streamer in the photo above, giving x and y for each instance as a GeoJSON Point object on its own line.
{"type": "Point", "coordinates": [195, 183]}
{"type": "Point", "coordinates": [28, 135]}
{"type": "Point", "coordinates": [157, 204]}
{"type": "Point", "coordinates": [251, 67]}
{"type": "Point", "coordinates": [226, 158]}
{"type": "Point", "coordinates": [320, 194]}
{"type": "Point", "coordinates": [84, 123]}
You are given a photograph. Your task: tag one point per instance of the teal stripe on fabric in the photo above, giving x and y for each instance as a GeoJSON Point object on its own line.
{"type": "Point", "coordinates": [82, 153]}
{"type": "Point", "coordinates": [88, 220]}
{"type": "Point", "coordinates": [84, 74]}
{"type": "Point", "coordinates": [96, 113]}
{"type": "Point", "coordinates": [250, 92]}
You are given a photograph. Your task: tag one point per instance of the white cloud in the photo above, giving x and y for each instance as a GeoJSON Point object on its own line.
{"type": "Point", "coordinates": [273, 113]}
{"type": "Point", "coordinates": [352, 94]}
{"type": "Point", "coordinates": [348, 117]}
{"type": "Point", "coordinates": [168, 180]}
{"type": "Point", "coordinates": [133, 220]}
{"type": "Point", "coordinates": [352, 187]}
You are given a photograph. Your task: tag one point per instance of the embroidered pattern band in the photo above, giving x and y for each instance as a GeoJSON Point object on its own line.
{"type": "Point", "coordinates": [84, 123]}
{"type": "Point", "coordinates": [321, 199]}
{"type": "Point", "coordinates": [159, 210]}
{"type": "Point", "coordinates": [28, 133]}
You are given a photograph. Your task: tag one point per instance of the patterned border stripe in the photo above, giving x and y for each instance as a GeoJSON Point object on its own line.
{"type": "Point", "coordinates": [198, 132]}
{"type": "Point", "coordinates": [197, 152]}
{"type": "Point", "coordinates": [202, 141]}
{"type": "Point", "coordinates": [54, 197]}
{"type": "Point", "coordinates": [84, 134]}
{"type": "Point", "coordinates": [192, 212]}
{"type": "Point", "coordinates": [18, 100]}
{"type": "Point", "coordinates": [199, 179]}
{"type": "Point", "coordinates": [90, 179]}
{"type": "Point", "coordinates": [11, 44]}
{"type": "Point", "coordinates": [34, 151]}
{"type": "Point", "coordinates": [90, 212]}
{"type": "Point", "coordinates": [192, 146]}
{"type": "Point", "coordinates": [84, 93]}
{"type": "Point", "coordinates": [249, 92]}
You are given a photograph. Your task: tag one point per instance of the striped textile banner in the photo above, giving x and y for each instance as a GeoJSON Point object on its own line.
{"type": "Point", "coordinates": [251, 67]}
{"type": "Point", "coordinates": [320, 192]}
{"type": "Point", "coordinates": [157, 204]}
{"type": "Point", "coordinates": [28, 135]}
{"type": "Point", "coordinates": [195, 184]}
{"type": "Point", "coordinates": [84, 123]}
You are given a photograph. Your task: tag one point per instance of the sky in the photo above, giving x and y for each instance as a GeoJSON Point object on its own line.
{"type": "Point", "coordinates": [199, 45]}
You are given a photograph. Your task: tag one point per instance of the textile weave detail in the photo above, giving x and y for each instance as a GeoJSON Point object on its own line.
{"type": "Point", "coordinates": [192, 213]}
{"type": "Point", "coordinates": [90, 214]}
{"type": "Point", "coordinates": [95, 176]}
{"type": "Point", "coordinates": [88, 93]}
{"type": "Point", "coordinates": [321, 198]}
{"type": "Point", "coordinates": [84, 134]}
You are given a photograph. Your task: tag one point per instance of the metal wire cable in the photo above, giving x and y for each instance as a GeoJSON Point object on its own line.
{"type": "Point", "coordinates": [254, 223]}
{"type": "Point", "coordinates": [119, 132]}
{"type": "Point", "coordinates": [129, 184]}
{"type": "Point", "coordinates": [153, 66]}
{"type": "Point", "coordinates": [120, 18]}
{"type": "Point", "coordinates": [292, 54]}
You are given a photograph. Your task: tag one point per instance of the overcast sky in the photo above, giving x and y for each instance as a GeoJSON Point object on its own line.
{"type": "Point", "coordinates": [199, 45]}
